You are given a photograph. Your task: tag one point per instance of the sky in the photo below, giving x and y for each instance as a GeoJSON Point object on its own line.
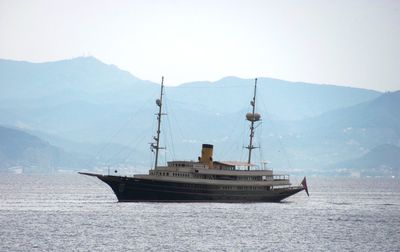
{"type": "Point", "coordinates": [349, 43]}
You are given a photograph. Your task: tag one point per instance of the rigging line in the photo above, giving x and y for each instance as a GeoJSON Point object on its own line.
{"type": "Point", "coordinates": [174, 119]}
{"type": "Point", "coordinates": [285, 153]}
{"type": "Point", "coordinates": [151, 159]}
{"type": "Point", "coordinates": [232, 135]}
{"type": "Point", "coordinates": [170, 129]}
{"type": "Point", "coordinates": [130, 153]}
{"type": "Point", "coordinates": [281, 145]}
{"type": "Point", "coordinates": [259, 140]}
{"type": "Point", "coordinates": [133, 142]}
{"type": "Point", "coordinates": [164, 136]}
{"type": "Point", "coordinates": [249, 130]}
{"type": "Point", "coordinates": [165, 157]}
{"type": "Point", "coordinates": [117, 132]}
{"type": "Point", "coordinates": [263, 108]}
{"type": "Point", "coordinates": [165, 140]}
{"type": "Point", "coordinates": [152, 155]}
{"type": "Point", "coordinates": [212, 87]}
{"type": "Point", "coordinates": [245, 131]}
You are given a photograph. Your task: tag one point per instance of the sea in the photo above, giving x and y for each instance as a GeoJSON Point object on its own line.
{"type": "Point", "coordinates": [72, 212]}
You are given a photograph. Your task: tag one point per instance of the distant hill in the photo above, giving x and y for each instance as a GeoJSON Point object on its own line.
{"type": "Point", "coordinates": [84, 78]}
{"type": "Point", "coordinates": [20, 150]}
{"type": "Point", "coordinates": [101, 154]}
{"type": "Point", "coordinates": [85, 99]}
{"type": "Point", "coordinates": [80, 98]}
{"type": "Point", "coordinates": [345, 133]}
{"type": "Point", "coordinates": [100, 112]}
{"type": "Point", "coordinates": [282, 100]}
{"type": "Point", "coordinates": [381, 112]}
{"type": "Point", "coordinates": [383, 160]}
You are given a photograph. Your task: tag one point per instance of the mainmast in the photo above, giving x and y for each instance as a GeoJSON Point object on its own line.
{"type": "Point", "coordinates": [252, 117]}
{"type": "Point", "coordinates": [156, 145]}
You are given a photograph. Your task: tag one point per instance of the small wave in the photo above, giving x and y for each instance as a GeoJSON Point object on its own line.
{"type": "Point", "coordinates": [346, 219]}
{"type": "Point", "coordinates": [340, 203]}
{"type": "Point", "coordinates": [388, 204]}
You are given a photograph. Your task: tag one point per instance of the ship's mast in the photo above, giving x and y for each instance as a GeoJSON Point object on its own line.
{"type": "Point", "coordinates": [156, 145]}
{"type": "Point", "coordinates": [252, 117]}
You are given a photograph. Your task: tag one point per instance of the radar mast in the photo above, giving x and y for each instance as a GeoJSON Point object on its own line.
{"type": "Point", "coordinates": [156, 145]}
{"type": "Point", "coordinates": [252, 117]}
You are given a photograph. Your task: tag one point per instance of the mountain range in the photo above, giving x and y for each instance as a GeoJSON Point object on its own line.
{"type": "Point", "coordinates": [25, 152]}
{"type": "Point", "coordinates": [99, 115]}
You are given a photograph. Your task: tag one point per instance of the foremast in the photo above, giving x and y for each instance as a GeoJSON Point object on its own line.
{"type": "Point", "coordinates": [156, 146]}
{"type": "Point", "coordinates": [252, 117]}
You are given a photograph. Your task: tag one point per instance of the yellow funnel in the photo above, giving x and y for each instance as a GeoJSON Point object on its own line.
{"type": "Point", "coordinates": [206, 155]}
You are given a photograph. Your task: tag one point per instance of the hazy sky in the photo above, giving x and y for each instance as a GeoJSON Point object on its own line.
{"type": "Point", "coordinates": [352, 43]}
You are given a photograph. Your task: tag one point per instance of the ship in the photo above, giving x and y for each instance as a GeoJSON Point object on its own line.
{"type": "Point", "coordinates": [203, 180]}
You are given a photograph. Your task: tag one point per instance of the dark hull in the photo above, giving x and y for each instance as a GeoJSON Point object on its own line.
{"type": "Point", "coordinates": [129, 189]}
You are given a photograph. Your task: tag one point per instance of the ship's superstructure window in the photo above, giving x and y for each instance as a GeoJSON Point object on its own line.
{"type": "Point", "coordinates": [251, 178]}
{"type": "Point", "coordinates": [180, 174]}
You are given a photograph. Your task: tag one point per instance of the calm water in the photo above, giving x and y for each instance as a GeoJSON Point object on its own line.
{"type": "Point", "coordinates": [79, 213]}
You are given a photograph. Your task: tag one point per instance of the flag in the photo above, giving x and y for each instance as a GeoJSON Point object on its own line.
{"type": "Point", "coordinates": [304, 184]}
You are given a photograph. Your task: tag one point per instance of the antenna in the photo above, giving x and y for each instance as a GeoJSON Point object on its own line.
{"type": "Point", "coordinates": [252, 117]}
{"type": "Point", "coordinates": [156, 145]}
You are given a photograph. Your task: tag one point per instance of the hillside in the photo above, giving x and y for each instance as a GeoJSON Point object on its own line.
{"type": "Point", "coordinates": [103, 113]}
{"type": "Point", "coordinates": [382, 160]}
{"type": "Point", "coordinates": [81, 78]}
{"type": "Point", "coordinates": [346, 133]}
{"type": "Point", "coordinates": [85, 99]}
{"type": "Point", "coordinates": [20, 150]}
{"type": "Point", "coordinates": [282, 100]}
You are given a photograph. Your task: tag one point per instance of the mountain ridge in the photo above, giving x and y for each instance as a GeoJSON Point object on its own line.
{"type": "Point", "coordinates": [304, 122]}
{"type": "Point", "coordinates": [21, 150]}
